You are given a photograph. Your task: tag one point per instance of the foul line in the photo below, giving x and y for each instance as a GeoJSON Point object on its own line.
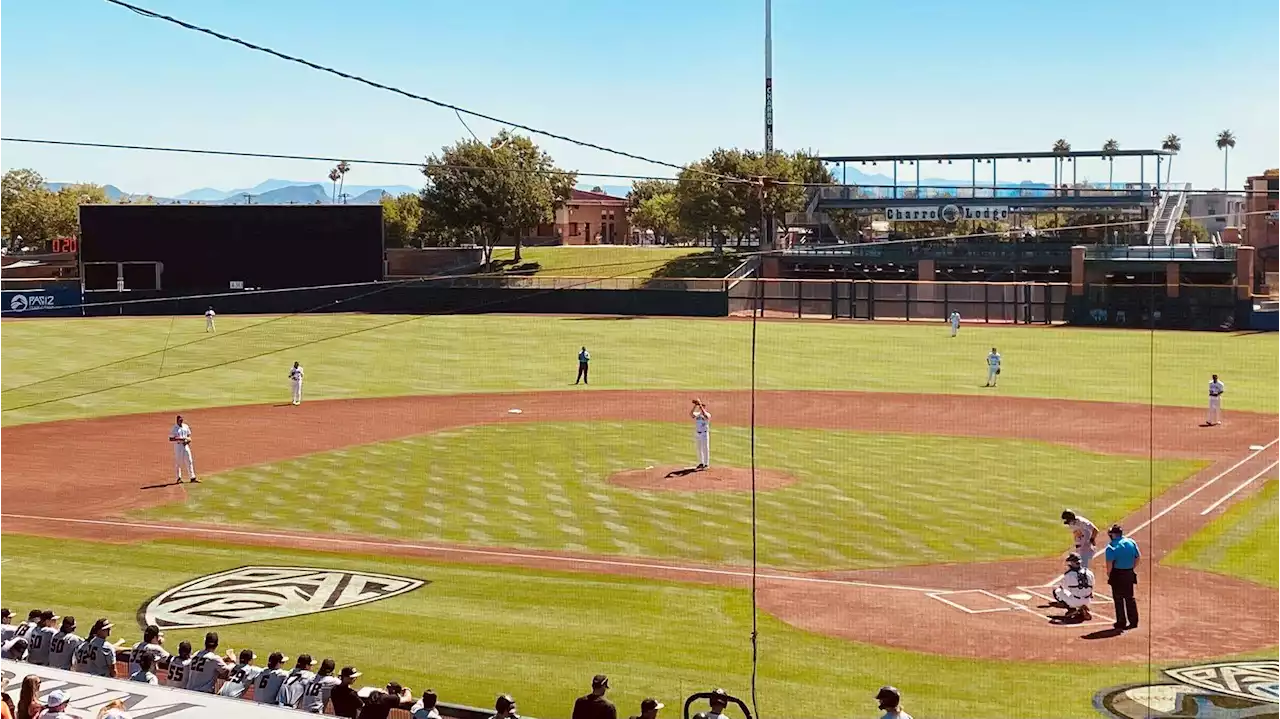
{"type": "Point", "coordinates": [476, 552]}
{"type": "Point", "coordinates": [1241, 486]}
{"type": "Point", "coordinates": [1201, 488]}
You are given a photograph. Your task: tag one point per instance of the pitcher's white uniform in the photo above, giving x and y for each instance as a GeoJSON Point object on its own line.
{"type": "Point", "coordinates": [955, 323]}
{"type": "Point", "coordinates": [209, 314]}
{"type": "Point", "coordinates": [1082, 532]}
{"type": "Point", "coordinates": [702, 436]}
{"type": "Point", "coordinates": [295, 380]}
{"type": "Point", "coordinates": [993, 367]}
{"type": "Point", "coordinates": [1076, 588]}
{"type": "Point", "coordinates": [1216, 388]}
{"type": "Point", "coordinates": [180, 436]}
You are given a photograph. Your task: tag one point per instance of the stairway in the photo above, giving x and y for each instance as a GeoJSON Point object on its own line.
{"type": "Point", "coordinates": [1165, 216]}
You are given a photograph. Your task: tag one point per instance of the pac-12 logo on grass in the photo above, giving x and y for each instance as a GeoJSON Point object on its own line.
{"type": "Point", "coordinates": [1230, 690]}
{"type": "Point", "coordinates": [255, 594]}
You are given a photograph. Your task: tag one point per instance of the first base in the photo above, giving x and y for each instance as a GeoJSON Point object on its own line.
{"type": "Point", "coordinates": [515, 411]}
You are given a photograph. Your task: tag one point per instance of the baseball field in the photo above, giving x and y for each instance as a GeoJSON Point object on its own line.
{"type": "Point", "coordinates": [507, 531]}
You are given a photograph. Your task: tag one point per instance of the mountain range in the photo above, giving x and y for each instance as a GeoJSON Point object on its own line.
{"type": "Point", "coordinates": [288, 192]}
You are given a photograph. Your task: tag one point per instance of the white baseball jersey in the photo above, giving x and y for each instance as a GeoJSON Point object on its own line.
{"type": "Point", "coordinates": [9, 645]}
{"type": "Point", "coordinates": [157, 652]}
{"type": "Point", "coordinates": [7, 632]}
{"type": "Point", "coordinates": [993, 360]}
{"type": "Point", "coordinates": [203, 672]}
{"type": "Point", "coordinates": [1078, 584]}
{"type": "Point", "coordinates": [242, 677]}
{"type": "Point", "coordinates": [955, 319]}
{"type": "Point", "coordinates": [98, 657]}
{"type": "Point", "coordinates": [1082, 531]}
{"type": "Point", "coordinates": [295, 374]}
{"type": "Point", "coordinates": [1216, 388]}
{"type": "Point", "coordinates": [209, 314]}
{"type": "Point", "coordinates": [39, 642]}
{"type": "Point", "coordinates": [701, 422]}
{"type": "Point", "coordinates": [294, 685]}
{"type": "Point", "coordinates": [180, 431]}
{"type": "Point", "coordinates": [176, 675]}
{"type": "Point", "coordinates": [144, 677]}
{"type": "Point", "coordinates": [267, 690]}
{"type": "Point", "coordinates": [25, 628]}
{"type": "Point", "coordinates": [63, 649]}
{"type": "Point", "coordinates": [316, 693]}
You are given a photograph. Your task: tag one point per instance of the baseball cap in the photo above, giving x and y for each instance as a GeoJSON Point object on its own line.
{"type": "Point", "coordinates": [350, 672]}
{"type": "Point", "coordinates": [651, 704]}
{"type": "Point", "coordinates": [599, 680]}
{"type": "Point", "coordinates": [6, 612]}
{"type": "Point", "coordinates": [394, 688]}
{"type": "Point", "coordinates": [48, 615]}
{"type": "Point", "coordinates": [277, 658]}
{"type": "Point", "coordinates": [1115, 529]}
{"type": "Point", "coordinates": [1073, 557]}
{"type": "Point", "coordinates": [719, 696]}
{"type": "Point", "coordinates": [57, 698]}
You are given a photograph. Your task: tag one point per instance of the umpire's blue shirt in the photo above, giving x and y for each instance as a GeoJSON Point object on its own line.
{"type": "Point", "coordinates": [1122, 553]}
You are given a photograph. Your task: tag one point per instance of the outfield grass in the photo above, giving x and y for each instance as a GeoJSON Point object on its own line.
{"type": "Point", "coordinates": [481, 485]}
{"type": "Point", "coordinates": [1240, 543]}
{"type": "Point", "coordinates": [596, 260]}
{"type": "Point", "coordinates": [474, 632]}
{"type": "Point", "coordinates": [170, 363]}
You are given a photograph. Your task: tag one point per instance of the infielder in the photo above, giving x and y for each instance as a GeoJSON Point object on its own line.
{"type": "Point", "coordinates": [295, 381]}
{"type": "Point", "coordinates": [1084, 536]}
{"type": "Point", "coordinates": [180, 436]}
{"type": "Point", "coordinates": [701, 433]}
{"type": "Point", "coordinates": [1075, 590]}
{"type": "Point", "coordinates": [955, 322]}
{"type": "Point", "coordinates": [1216, 388]}
{"type": "Point", "coordinates": [584, 366]}
{"type": "Point", "coordinates": [993, 367]}
{"type": "Point", "coordinates": [209, 314]}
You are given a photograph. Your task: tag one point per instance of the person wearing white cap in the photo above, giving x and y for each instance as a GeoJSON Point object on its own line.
{"type": "Point", "coordinates": [56, 705]}
{"type": "Point", "coordinates": [41, 638]}
{"type": "Point", "coordinates": [315, 694]}
{"type": "Point", "coordinates": [97, 656]}
{"type": "Point", "coordinates": [649, 709]}
{"type": "Point", "coordinates": [267, 690]}
{"type": "Point", "coordinates": [152, 644]}
{"type": "Point", "coordinates": [344, 699]}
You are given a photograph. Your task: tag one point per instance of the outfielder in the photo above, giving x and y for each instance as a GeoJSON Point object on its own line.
{"type": "Point", "coordinates": [180, 437]}
{"type": "Point", "coordinates": [955, 322]}
{"type": "Point", "coordinates": [1084, 536]}
{"type": "Point", "coordinates": [295, 380]}
{"type": "Point", "coordinates": [1216, 388]}
{"type": "Point", "coordinates": [209, 314]}
{"type": "Point", "coordinates": [1075, 590]}
{"type": "Point", "coordinates": [701, 433]}
{"type": "Point", "coordinates": [993, 367]}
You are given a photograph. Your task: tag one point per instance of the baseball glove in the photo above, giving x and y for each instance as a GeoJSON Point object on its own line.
{"type": "Point", "coordinates": [997, 370]}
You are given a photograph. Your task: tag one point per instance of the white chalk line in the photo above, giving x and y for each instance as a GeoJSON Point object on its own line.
{"type": "Point", "coordinates": [1201, 488]}
{"type": "Point", "coordinates": [1239, 487]}
{"type": "Point", "coordinates": [343, 541]}
{"type": "Point", "coordinates": [939, 596]}
{"type": "Point", "coordinates": [1103, 617]}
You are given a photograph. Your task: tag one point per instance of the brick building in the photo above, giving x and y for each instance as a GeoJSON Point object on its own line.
{"type": "Point", "coordinates": [593, 218]}
{"type": "Point", "coordinates": [1261, 205]}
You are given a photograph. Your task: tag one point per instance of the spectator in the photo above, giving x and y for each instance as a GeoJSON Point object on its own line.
{"type": "Point", "coordinates": [96, 656]}
{"type": "Point", "coordinates": [505, 708]}
{"type": "Point", "coordinates": [144, 673]}
{"type": "Point", "coordinates": [719, 702]}
{"type": "Point", "coordinates": [426, 706]}
{"type": "Point", "coordinates": [152, 643]}
{"type": "Point", "coordinates": [115, 710]}
{"type": "Point", "coordinates": [7, 708]}
{"type": "Point", "coordinates": [56, 706]}
{"type": "Point", "coordinates": [649, 709]}
{"type": "Point", "coordinates": [179, 666]}
{"type": "Point", "coordinates": [594, 705]}
{"type": "Point", "coordinates": [890, 700]}
{"type": "Point", "coordinates": [207, 667]}
{"type": "Point", "coordinates": [241, 677]}
{"type": "Point", "coordinates": [379, 704]}
{"type": "Point", "coordinates": [40, 639]}
{"type": "Point", "coordinates": [296, 682]}
{"type": "Point", "coordinates": [7, 630]}
{"type": "Point", "coordinates": [346, 702]}
{"type": "Point", "coordinates": [65, 644]}
{"type": "Point", "coordinates": [28, 698]}
{"type": "Point", "coordinates": [315, 695]}
{"type": "Point", "coordinates": [267, 690]}
{"type": "Point", "coordinates": [16, 649]}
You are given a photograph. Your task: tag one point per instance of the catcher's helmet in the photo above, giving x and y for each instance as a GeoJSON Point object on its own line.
{"type": "Point", "coordinates": [889, 697]}
{"type": "Point", "coordinates": [1068, 516]}
{"type": "Point", "coordinates": [1073, 558]}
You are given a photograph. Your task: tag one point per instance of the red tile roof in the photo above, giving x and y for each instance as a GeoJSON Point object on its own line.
{"type": "Point", "coordinates": [582, 197]}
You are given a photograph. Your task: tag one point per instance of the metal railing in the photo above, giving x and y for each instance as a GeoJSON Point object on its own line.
{"type": "Point", "coordinates": [687, 284]}
{"type": "Point", "coordinates": [1161, 252]}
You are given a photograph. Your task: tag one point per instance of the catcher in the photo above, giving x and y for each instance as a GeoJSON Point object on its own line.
{"type": "Point", "coordinates": [1075, 591]}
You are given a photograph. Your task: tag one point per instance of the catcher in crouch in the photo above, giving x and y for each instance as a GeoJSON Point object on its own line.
{"type": "Point", "coordinates": [1075, 591]}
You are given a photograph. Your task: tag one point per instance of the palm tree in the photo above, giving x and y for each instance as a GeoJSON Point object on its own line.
{"type": "Point", "coordinates": [343, 168]}
{"type": "Point", "coordinates": [1226, 141]}
{"type": "Point", "coordinates": [1110, 147]}
{"type": "Point", "coordinates": [334, 176]}
{"type": "Point", "coordinates": [1061, 147]}
{"type": "Point", "coordinates": [1172, 143]}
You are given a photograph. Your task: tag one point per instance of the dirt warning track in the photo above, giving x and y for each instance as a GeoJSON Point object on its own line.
{"type": "Point", "coordinates": [80, 478]}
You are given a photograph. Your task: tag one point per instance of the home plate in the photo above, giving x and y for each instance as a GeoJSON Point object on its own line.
{"type": "Point", "coordinates": [515, 411]}
{"type": "Point", "coordinates": [1256, 448]}
{"type": "Point", "coordinates": [1020, 597]}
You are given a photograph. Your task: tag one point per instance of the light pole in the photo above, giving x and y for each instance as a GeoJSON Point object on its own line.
{"type": "Point", "coordinates": [768, 236]}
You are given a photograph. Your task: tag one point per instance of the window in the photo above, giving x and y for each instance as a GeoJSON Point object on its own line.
{"type": "Point", "coordinates": [573, 229]}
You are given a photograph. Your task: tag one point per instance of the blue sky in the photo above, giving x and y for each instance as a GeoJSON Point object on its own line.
{"type": "Point", "coordinates": [670, 79]}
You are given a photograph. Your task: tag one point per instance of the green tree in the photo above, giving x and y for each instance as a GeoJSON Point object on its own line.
{"type": "Point", "coordinates": [642, 190]}
{"type": "Point", "coordinates": [1172, 143]}
{"type": "Point", "coordinates": [401, 218]}
{"type": "Point", "coordinates": [1111, 147]}
{"type": "Point", "coordinates": [343, 168]}
{"type": "Point", "coordinates": [659, 214]}
{"type": "Point", "coordinates": [1226, 142]}
{"type": "Point", "coordinates": [488, 191]}
{"type": "Point", "coordinates": [25, 206]}
{"type": "Point", "coordinates": [1060, 147]}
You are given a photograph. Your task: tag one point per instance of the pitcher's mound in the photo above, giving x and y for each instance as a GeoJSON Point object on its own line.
{"type": "Point", "coordinates": [715, 479]}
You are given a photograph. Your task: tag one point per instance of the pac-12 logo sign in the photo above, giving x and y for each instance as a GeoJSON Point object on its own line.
{"type": "Point", "coordinates": [1231, 690]}
{"type": "Point", "coordinates": [255, 594]}
{"type": "Point", "coordinates": [22, 303]}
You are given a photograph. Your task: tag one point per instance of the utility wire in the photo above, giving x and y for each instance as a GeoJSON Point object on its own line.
{"type": "Point", "coordinates": [413, 96]}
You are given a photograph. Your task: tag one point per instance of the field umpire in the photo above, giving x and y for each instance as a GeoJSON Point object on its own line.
{"type": "Point", "coordinates": [1122, 563]}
